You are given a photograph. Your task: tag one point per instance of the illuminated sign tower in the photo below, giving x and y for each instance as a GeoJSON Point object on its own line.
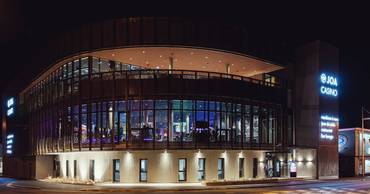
{"type": "Point", "coordinates": [317, 87]}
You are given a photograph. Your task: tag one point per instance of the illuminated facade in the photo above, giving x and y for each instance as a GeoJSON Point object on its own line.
{"type": "Point", "coordinates": [161, 109]}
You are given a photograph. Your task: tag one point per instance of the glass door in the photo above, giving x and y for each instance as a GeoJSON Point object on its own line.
{"type": "Point", "coordinates": [277, 168]}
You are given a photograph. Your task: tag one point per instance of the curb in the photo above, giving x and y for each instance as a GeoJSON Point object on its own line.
{"type": "Point", "coordinates": [12, 185]}
{"type": "Point", "coordinates": [197, 189]}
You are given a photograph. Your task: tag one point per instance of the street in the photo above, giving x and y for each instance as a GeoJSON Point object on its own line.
{"type": "Point", "coordinates": [338, 186]}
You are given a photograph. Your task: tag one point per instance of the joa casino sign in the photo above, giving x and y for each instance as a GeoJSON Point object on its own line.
{"type": "Point", "coordinates": [328, 85]}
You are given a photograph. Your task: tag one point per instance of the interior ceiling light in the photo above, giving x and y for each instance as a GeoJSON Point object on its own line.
{"type": "Point", "coordinates": [143, 52]}
{"type": "Point", "coordinates": [192, 53]}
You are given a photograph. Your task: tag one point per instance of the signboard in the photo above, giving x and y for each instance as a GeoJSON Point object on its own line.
{"type": "Point", "coordinates": [9, 144]}
{"type": "Point", "coordinates": [327, 126]}
{"type": "Point", "coordinates": [10, 103]}
{"type": "Point", "coordinates": [329, 85]}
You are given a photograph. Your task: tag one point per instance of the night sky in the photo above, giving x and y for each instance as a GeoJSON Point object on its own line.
{"type": "Point", "coordinates": [27, 25]}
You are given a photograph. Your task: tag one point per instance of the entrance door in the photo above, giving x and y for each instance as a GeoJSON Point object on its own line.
{"type": "Point", "coordinates": [116, 170]}
{"type": "Point", "coordinates": [277, 168]}
{"type": "Point", "coordinates": [273, 166]}
{"type": "Point", "coordinates": [122, 127]}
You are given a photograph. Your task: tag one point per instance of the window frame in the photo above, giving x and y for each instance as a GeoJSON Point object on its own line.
{"type": "Point", "coordinates": [182, 171]}
{"type": "Point", "coordinates": [201, 171]}
{"type": "Point", "coordinates": [222, 170]}
{"type": "Point", "coordinates": [146, 170]}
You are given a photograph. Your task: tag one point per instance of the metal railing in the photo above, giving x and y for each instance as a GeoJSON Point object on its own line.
{"type": "Point", "coordinates": [181, 74]}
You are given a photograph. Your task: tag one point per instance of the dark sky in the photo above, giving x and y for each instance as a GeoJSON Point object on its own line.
{"type": "Point", "coordinates": [27, 25]}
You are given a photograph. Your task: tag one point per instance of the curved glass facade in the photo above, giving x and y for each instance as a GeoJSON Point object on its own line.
{"type": "Point", "coordinates": [67, 114]}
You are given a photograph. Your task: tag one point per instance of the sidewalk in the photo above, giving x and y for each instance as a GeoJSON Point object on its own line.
{"type": "Point", "coordinates": [121, 187]}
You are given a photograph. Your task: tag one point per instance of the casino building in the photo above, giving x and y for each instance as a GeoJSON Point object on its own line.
{"type": "Point", "coordinates": [168, 100]}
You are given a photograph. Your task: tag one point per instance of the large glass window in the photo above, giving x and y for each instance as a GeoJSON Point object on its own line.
{"type": "Point", "coordinates": [264, 125]}
{"type": "Point", "coordinates": [161, 120]}
{"type": "Point", "coordinates": [182, 169]}
{"type": "Point", "coordinates": [176, 118]}
{"type": "Point", "coordinates": [84, 67]}
{"type": "Point", "coordinates": [255, 125]}
{"type": "Point", "coordinates": [247, 124]}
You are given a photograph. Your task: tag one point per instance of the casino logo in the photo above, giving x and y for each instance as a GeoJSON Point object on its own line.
{"type": "Point", "coordinates": [342, 140]}
{"type": "Point", "coordinates": [323, 78]}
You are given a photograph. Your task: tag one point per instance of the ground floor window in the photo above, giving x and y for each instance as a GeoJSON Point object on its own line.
{"type": "Point", "coordinates": [221, 168]}
{"type": "Point", "coordinates": [182, 169]}
{"type": "Point", "coordinates": [92, 170]}
{"type": "Point", "coordinates": [241, 167]}
{"type": "Point", "coordinates": [201, 169]}
{"type": "Point", "coordinates": [67, 168]}
{"type": "Point", "coordinates": [74, 168]}
{"type": "Point", "coordinates": [116, 170]}
{"type": "Point", "coordinates": [143, 176]}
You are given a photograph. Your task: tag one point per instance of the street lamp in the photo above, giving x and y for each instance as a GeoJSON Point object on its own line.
{"type": "Point", "coordinates": [363, 139]}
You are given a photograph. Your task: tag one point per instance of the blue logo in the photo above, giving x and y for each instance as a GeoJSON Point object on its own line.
{"type": "Point", "coordinates": [342, 140]}
{"type": "Point", "coordinates": [323, 78]}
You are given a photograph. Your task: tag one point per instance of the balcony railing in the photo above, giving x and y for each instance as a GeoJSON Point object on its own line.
{"type": "Point", "coordinates": [181, 74]}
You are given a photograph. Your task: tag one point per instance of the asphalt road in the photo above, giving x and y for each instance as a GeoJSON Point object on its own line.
{"type": "Point", "coordinates": [352, 186]}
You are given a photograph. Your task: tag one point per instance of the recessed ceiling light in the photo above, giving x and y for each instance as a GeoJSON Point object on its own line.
{"type": "Point", "coordinates": [192, 53]}
{"type": "Point", "coordinates": [206, 57]}
{"type": "Point", "coordinates": [113, 54]}
{"type": "Point", "coordinates": [157, 67]}
{"type": "Point", "coordinates": [232, 64]}
{"type": "Point", "coordinates": [147, 62]}
{"type": "Point", "coordinates": [219, 61]}
{"type": "Point", "coordinates": [175, 59]}
{"type": "Point", "coordinates": [143, 52]}
{"type": "Point", "coordinates": [160, 56]}
{"type": "Point", "coordinates": [204, 67]}
{"type": "Point", "coordinates": [130, 58]}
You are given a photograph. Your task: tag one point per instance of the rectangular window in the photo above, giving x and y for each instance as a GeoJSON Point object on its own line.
{"type": "Point", "coordinates": [67, 168]}
{"type": "Point", "coordinates": [116, 170]}
{"type": "Point", "coordinates": [182, 169]}
{"type": "Point", "coordinates": [74, 168]}
{"type": "Point", "coordinates": [221, 168]}
{"type": "Point", "coordinates": [92, 170]}
{"type": "Point", "coordinates": [241, 167]}
{"type": "Point", "coordinates": [201, 169]}
{"type": "Point", "coordinates": [143, 170]}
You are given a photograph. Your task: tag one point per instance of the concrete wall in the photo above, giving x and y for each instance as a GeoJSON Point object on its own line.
{"type": "Point", "coordinates": [163, 165]}
{"type": "Point", "coordinates": [44, 166]}
{"type": "Point", "coordinates": [306, 163]}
